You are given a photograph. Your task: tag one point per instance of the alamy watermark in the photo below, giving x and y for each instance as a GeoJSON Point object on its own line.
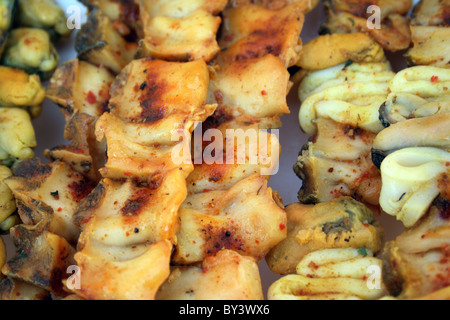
{"type": "Point", "coordinates": [374, 21]}
{"type": "Point", "coordinates": [74, 281]}
{"type": "Point", "coordinates": [375, 278]}
{"type": "Point", "coordinates": [73, 17]}
{"type": "Point", "coordinates": [74, 13]}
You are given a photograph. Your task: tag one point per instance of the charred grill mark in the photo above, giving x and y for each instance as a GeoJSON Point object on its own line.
{"type": "Point", "coordinates": [359, 8]}
{"type": "Point", "coordinates": [41, 279]}
{"type": "Point", "coordinates": [151, 98]}
{"type": "Point", "coordinates": [446, 16]}
{"type": "Point", "coordinates": [88, 205]}
{"type": "Point", "coordinates": [444, 185]}
{"type": "Point", "coordinates": [353, 132]}
{"type": "Point", "coordinates": [153, 182]}
{"type": "Point", "coordinates": [103, 108]}
{"type": "Point", "coordinates": [81, 189]}
{"type": "Point", "coordinates": [136, 203]}
{"type": "Point", "coordinates": [86, 165]}
{"type": "Point", "coordinates": [32, 168]}
{"type": "Point", "coordinates": [56, 279]}
{"type": "Point", "coordinates": [261, 43]}
{"type": "Point", "coordinates": [151, 114]}
{"type": "Point", "coordinates": [221, 238]}
{"type": "Point", "coordinates": [129, 10]}
{"type": "Point", "coordinates": [216, 120]}
{"type": "Point", "coordinates": [443, 207]}
{"type": "Point", "coordinates": [215, 173]}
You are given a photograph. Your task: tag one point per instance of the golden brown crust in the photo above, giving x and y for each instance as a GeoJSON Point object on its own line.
{"type": "Point", "coordinates": [223, 276]}
{"type": "Point", "coordinates": [346, 16]}
{"type": "Point", "coordinates": [244, 218]}
{"type": "Point", "coordinates": [430, 30]}
{"type": "Point", "coordinates": [305, 5]}
{"type": "Point", "coordinates": [416, 263]}
{"type": "Point", "coordinates": [132, 216]}
{"type": "Point", "coordinates": [252, 31]}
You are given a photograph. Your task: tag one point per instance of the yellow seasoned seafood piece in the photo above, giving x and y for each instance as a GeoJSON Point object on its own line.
{"type": "Point", "coordinates": [333, 274]}
{"type": "Point", "coordinates": [33, 242]}
{"type": "Point", "coordinates": [14, 289]}
{"type": "Point", "coordinates": [417, 92]}
{"type": "Point", "coordinates": [416, 263]}
{"type": "Point", "coordinates": [412, 179]}
{"type": "Point", "coordinates": [341, 223]}
{"type": "Point", "coordinates": [54, 185]}
{"type": "Point", "coordinates": [255, 87]}
{"type": "Point", "coordinates": [18, 89]}
{"type": "Point", "coordinates": [331, 50]}
{"type": "Point", "coordinates": [349, 95]}
{"type": "Point", "coordinates": [305, 5]}
{"type": "Point", "coordinates": [180, 39]}
{"type": "Point", "coordinates": [140, 278]}
{"type": "Point", "coordinates": [245, 219]}
{"type": "Point", "coordinates": [181, 8]}
{"type": "Point", "coordinates": [348, 16]}
{"type": "Point", "coordinates": [251, 31]}
{"type": "Point", "coordinates": [224, 276]}
{"type": "Point", "coordinates": [17, 137]}
{"type": "Point", "coordinates": [7, 201]}
{"type": "Point", "coordinates": [99, 43]}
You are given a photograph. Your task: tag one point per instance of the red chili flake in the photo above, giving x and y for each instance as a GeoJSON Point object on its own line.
{"type": "Point", "coordinates": [78, 150]}
{"type": "Point", "coordinates": [434, 79]}
{"type": "Point", "coordinates": [127, 234]}
{"type": "Point", "coordinates": [264, 93]}
{"type": "Point", "coordinates": [85, 221]}
{"type": "Point", "coordinates": [59, 209]}
{"type": "Point", "coordinates": [447, 164]}
{"type": "Point", "coordinates": [282, 226]}
{"type": "Point", "coordinates": [313, 266]}
{"type": "Point", "coordinates": [17, 293]}
{"type": "Point", "coordinates": [91, 98]}
{"type": "Point", "coordinates": [127, 174]}
{"type": "Point", "coordinates": [207, 190]}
